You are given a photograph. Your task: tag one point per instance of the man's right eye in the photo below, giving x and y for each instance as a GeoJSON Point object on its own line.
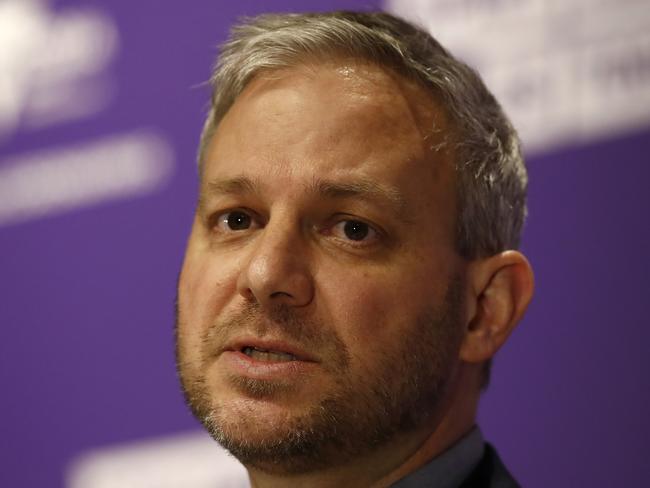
{"type": "Point", "coordinates": [234, 220]}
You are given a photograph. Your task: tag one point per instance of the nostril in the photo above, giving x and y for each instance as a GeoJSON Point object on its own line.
{"type": "Point", "coordinates": [279, 294]}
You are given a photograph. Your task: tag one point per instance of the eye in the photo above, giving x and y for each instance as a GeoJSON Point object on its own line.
{"type": "Point", "coordinates": [235, 220]}
{"type": "Point", "coordinates": [354, 230]}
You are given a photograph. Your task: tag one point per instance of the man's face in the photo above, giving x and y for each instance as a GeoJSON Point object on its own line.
{"type": "Point", "coordinates": [319, 305]}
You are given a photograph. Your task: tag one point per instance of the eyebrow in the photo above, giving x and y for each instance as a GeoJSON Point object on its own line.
{"type": "Point", "coordinates": [361, 188]}
{"type": "Point", "coordinates": [233, 186]}
{"type": "Point", "coordinates": [364, 189]}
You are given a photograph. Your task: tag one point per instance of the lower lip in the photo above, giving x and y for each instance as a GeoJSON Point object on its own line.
{"type": "Point", "coordinates": [239, 363]}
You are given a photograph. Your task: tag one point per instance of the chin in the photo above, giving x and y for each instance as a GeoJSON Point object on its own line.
{"type": "Point", "coordinates": [273, 438]}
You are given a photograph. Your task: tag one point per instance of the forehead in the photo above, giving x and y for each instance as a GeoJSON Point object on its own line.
{"type": "Point", "coordinates": [333, 119]}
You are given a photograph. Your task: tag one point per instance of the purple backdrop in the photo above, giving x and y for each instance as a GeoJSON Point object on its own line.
{"type": "Point", "coordinates": [86, 314]}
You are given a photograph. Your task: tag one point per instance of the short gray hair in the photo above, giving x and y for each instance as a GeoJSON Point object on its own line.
{"type": "Point", "coordinates": [491, 175]}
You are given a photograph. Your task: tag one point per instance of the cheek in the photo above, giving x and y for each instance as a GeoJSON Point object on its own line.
{"type": "Point", "coordinates": [372, 312]}
{"type": "Point", "coordinates": [207, 284]}
{"type": "Point", "coordinates": [367, 309]}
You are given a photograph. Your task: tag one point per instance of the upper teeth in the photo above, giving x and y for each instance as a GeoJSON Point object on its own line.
{"type": "Point", "coordinates": [262, 355]}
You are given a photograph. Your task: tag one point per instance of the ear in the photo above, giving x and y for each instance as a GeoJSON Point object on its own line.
{"type": "Point", "coordinates": [500, 288]}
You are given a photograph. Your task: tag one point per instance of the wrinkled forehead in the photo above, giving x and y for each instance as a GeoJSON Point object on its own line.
{"type": "Point", "coordinates": [352, 106]}
{"type": "Point", "coordinates": [352, 83]}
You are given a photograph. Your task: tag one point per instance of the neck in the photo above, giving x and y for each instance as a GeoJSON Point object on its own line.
{"type": "Point", "coordinates": [405, 453]}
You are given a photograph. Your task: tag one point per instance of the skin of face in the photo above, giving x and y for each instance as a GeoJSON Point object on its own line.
{"type": "Point", "coordinates": [325, 229]}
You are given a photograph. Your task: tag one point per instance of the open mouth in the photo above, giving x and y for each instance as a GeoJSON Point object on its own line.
{"type": "Point", "coordinates": [266, 355]}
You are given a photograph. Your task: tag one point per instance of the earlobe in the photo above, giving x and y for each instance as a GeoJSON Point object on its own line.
{"type": "Point", "coordinates": [500, 288]}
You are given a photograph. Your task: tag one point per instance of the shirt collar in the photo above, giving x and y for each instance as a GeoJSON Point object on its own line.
{"type": "Point", "coordinates": [449, 469]}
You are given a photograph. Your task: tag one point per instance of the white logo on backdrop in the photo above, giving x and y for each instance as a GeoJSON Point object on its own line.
{"type": "Point", "coordinates": [81, 175]}
{"type": "Point", "coordinates": [54, 68]}
{"type": "Point", "coordinates": [564, 70]}
{"type": "Point", "coordinates": [190, 460]}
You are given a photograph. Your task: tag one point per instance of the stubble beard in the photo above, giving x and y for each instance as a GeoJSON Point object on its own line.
{"type": "Point", "coordinates": [366, 410]}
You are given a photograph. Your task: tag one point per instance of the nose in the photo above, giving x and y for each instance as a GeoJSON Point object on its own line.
{"type": "Point", "coordinates": [277, 269]}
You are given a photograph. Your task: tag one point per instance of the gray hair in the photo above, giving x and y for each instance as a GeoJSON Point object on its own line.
{"type": "Point", "coordinates": [491, 175]}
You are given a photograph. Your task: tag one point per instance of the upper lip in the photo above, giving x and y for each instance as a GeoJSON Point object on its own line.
{"type": "Point", "coordinates": [239, 344]}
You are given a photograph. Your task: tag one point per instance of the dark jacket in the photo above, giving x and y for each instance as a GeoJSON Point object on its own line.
{"type": "Point", "coordinates": [490, 473]}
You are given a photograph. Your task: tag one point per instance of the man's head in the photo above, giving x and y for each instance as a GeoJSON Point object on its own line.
{"type": "Point", "coordinates": [345, 280]}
